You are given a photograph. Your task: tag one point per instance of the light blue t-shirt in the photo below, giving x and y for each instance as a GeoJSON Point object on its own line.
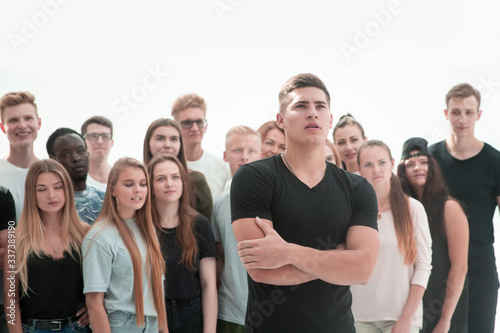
{"type": "Point", "coordinates": [107, 268]}
{"type": "Point", "coordinates": [233, 292]}
{"type": "Point", "coordinates": [89, 203]}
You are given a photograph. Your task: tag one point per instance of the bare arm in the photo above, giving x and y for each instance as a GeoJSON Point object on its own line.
{"type": "Point", "coordinates": [412, 304]}
{"type": "Point", "coordinates": [219, 262]}
{"type": "Point", "coordinates": [457, 235]}
{"type": "Point", "coordinates": [208, 294]}
{"type": "Point", "coordinates": [97, 314]}
{"type": "Point", "coordinates": [272, 254]}
{"type": "Point", "coordinates": [11, 290]}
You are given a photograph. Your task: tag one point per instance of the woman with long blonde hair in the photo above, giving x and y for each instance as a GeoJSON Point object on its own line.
{"type": "Point", "coordinates": [48, 292]}
{"type": "Point", "coordinates": [392, 300]}
{"type": "Point", "coordinates": [122, 264]}
{"type": "Point", "coordinates": [188, 246]}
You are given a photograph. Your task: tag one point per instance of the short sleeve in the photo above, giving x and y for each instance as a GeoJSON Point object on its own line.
{"type": "Point", "coordinates": [365, 205]}
{"type": "Point", "coordinates": [7, 208]}
{"type": "Point", "coordinates": [97, 262]}
{"type": "Point", "coordinates": [422, 235]}
{"type": "Point", "coordinates": [251, 193]}
{"type": "Point", "coordinates": [206, 238]}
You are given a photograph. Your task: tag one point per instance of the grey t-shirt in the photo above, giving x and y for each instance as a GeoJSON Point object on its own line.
{"type": "Point", "coordinates": [233, 291]}
{"type": "Point", "coordinates": [107, 268]}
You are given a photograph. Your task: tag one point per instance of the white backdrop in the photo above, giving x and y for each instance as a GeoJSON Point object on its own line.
{"type": "Point", "coordinates": [388, 62]}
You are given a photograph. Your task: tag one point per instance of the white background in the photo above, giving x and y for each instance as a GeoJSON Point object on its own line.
{"type": "Point", "coordinates": [81, 58]}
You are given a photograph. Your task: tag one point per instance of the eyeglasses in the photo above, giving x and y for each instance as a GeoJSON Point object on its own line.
{"type": "Point", "coordinates": [187, 124]}
{"type": "Point", "coordinates": [95, 136]}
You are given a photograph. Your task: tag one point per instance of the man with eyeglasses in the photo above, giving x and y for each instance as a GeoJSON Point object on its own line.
{"type": "Point", "coordinates": [98, 134]}
{"type": "Point", "coordinates": [68, 147]}
{"type": "Point", "coordinates": [190, 112]}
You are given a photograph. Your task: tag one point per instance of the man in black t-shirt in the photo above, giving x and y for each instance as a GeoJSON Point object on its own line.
{"type": "Point", "coordinates": [291, 211]}
{"type": "Point", "coordinates": [472, 172]}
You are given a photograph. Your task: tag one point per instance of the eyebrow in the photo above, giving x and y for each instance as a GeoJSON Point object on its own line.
{"type": "Point", "coordinates": [44, 185]}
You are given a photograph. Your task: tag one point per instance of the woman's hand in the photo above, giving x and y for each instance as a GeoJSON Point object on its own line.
{"type": "Point", "coordinates": [84, 319]}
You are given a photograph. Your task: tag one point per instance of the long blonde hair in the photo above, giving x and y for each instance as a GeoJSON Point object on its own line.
{"type": "Point", "coordinates": [109, 215]}
{"type": "Point", "coordinates": [30, 229]}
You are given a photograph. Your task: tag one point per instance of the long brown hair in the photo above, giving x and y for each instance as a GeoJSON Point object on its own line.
{"type": "Point", "coordinates": [403, 224]}
{"type": "Point", "coordinates": [187, 214]}
{"type": "Point", "coordinates": [434, 196]}
{"type": "Point", "coordinates": [143, 219]}
{"type": "Point", "coordinates": [30, 229]}
{"type": "Point", "coordinates": [162, 122]}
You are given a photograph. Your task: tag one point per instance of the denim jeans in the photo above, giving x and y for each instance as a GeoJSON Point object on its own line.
{"type": "Point", "coordinates": [125, 322]}
{"type": "Point", "coordinates": [184, 316]}
{"type": "Point", "coordinates": [71, 327]}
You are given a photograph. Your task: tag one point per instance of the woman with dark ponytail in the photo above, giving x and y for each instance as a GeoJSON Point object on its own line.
{"type": "Point", "coordinates": [392, 299]}
{"type": "Point", "coordinates": [445, 305]}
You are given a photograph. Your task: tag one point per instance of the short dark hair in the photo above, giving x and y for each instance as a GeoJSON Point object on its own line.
{"type": "Point", "coordinates": [300, 81]}
{"type": "Point", "coordinates": [58, 133]}
{"type": "Point", "coordinates": [463, 90]}
{"type": "Point", "coordinates": [99, 120]}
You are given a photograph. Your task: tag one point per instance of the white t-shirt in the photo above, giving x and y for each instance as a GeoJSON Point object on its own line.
{"type": "Point", "coordinates": [216, 172]}
{"type": "Point", "coordinates": [91, 181]}
{"type": "Point", "coordinates": [13, 178]}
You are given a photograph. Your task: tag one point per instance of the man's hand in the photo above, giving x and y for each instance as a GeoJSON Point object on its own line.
{"type": "Point", "coordinates": [264, 253]}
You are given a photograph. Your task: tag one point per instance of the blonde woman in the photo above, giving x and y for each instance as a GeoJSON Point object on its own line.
{"type": "Point", "coordinates": [122, 265]}
{"type": "Point", "coordinates": [391, 302]}
{"type": "Point", "coordinates": [348, 136]}
{"type": "Point", "coordinates": [48, 284]}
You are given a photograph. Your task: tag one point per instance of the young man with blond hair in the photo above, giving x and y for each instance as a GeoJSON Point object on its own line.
{"type": "Point", "coordinates": [472, 172]}
{"type": "Point", "coordinates": [243, 145]}
{"type": "Point", "coordinates": [190, 112]}
{"type": "Point", "coordinates": [290, 212]}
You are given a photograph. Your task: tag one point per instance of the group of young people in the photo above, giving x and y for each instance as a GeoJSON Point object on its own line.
{"type": "Point", "coordinates": [167, 244]}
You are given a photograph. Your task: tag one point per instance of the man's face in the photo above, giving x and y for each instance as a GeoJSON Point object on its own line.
{"type": "Point", "coordinates": [241, 149]}
{"type": "Point", "coordinates": [193, 135]}
{"type": "Point", "coordinates": [307, 118]}
{"type": "Point", "coordinates": [70, 151]}
{"type": "Point", "coordinates": [463, 114]}
{"type": "Point", "coordinates": [21, 124]}
{"type": "Point", "coordinates": [99, 141]}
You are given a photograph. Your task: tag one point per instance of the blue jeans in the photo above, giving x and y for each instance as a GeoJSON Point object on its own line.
{"type": "Point", "coordinates": [71, 327]}
{"type": "Point", "coordinates": [124, 322]}
{"type": "Point", "coordinates": [184, 316]}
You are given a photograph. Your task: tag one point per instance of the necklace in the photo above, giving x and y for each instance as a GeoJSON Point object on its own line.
{"type": "Point", "coordinates": [52, 246]}
{"type": "Point", "coordinates": [288, 165]}
{"type": "Point", "coordinates": [379, 215]}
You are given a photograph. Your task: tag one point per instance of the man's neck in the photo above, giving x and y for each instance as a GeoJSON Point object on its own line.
{"type": "Point", "coordinates": [99, 170]}
{"type": "Point", "coordinates": [463, 147]}
{"type": "Point", "coordinates": [21, 157]}
{"type": "Point", "coordinates": [306, 163]}
{"type": "Point", "coordinates": [193, 152]}
{"type": "Point", "coordinates": [80, 186]}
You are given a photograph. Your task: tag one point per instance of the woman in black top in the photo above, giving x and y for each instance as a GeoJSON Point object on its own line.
{"type": "Point", "coordinates": [46, 293]}
{"type": "Point", "coordinates": [445, 306]}
{"type": "Point", "coordinates": [188, 246]}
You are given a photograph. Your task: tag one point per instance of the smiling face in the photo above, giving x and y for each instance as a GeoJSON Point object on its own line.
{"type": "Point", "coordinates": [98, 148]}
{"type": "Point", "coordinates": [167, 183]}
{"type": "Point", "coordinates": [348, 139]}
{"type": "Point", "coordinates": [307, 118]}
{"type": "Point", "coordinates": [165, 139]}
{"type": "Point", "coordinates": [274, 143]}
{"type": "Point", "coordinates": [50, 197]}
{"type": "Point", "coordinates": [21, 124]}
{"type": "Point", "coordinates": [375, 165]}
{"type": "Point", "coordinates": [463, 114]}
{"type": "Point", "coordinates": [416, 169]}
{"type": "Point", "coordinates": [70, 151]}
{"type": "Point", "coordinates": [130, 191]}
